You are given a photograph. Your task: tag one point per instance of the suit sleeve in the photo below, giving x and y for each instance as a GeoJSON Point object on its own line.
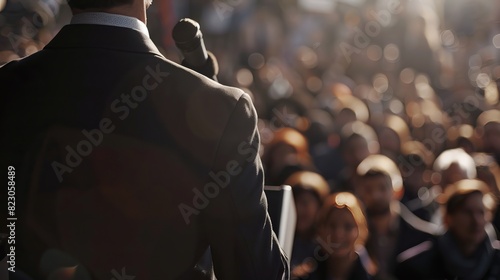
{"type": "Point", "coordinates": [239, 229]}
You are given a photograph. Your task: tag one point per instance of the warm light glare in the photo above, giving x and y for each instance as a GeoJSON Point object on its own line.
{"type": "Point", "coordinates": [491, 93]}
{"type": "Point", "coordinates": [244, 77]}
{"type": "Point", "coordinates": [307, 57]}
{"type": "Point", "coordinates": [448, 38]}
{"type": "Point", "coordinates": [407, 76]}
{"type": "Point", "coordinates": [374, 53]}
{"type": "Point", "coordinates": [496, 41]}
{"type": "Point", "coordinates": [483, 80]}
{"type": "Point", "coordinates": [466, 131]}
{"type": "Point", "coordinates": [256, 60]}
{"type": "Point", "coordinates": [396, 106]}
{"type": "Point", "coordinates": [391, 53]}
{"type": "Point", "coordinates": [314, 84]}
{"type": "Point", "coordinates": [380, 83]}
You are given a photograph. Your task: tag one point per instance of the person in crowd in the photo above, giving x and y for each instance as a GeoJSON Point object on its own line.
{"type": "Point", "coordinates": [344, 108]}
{"type": "Point", "coordinates": [462, 137]}
{"type": "Point", "coordinates": [324, 143]}
{"type": "Point", "coordinates": [395, 132]}
{"type": "Point", "coordinates": [309, 190]}
{"type": "Point", "coordinates": [393, 228]}
{"type": "Point", "coordinates": [428, 122]}
{"type": "Point", "coordinates": [488, 128]}
{"type": "Point", "coordinates": [464, 251]}
{"type": "Point", "coordinates": [132, 165]}
{"type": "Point", "coordinates": [451, 166]}
{"type": "Point", "coordinates": [286, 153]}
{"type": "Point", "coordinates": [454, 165]}
{"type": "Point", "coordinates": [415, 166]}
{"type": "Point", "coordinates": [342, 233]}
{"type": "Point", "coordinates": [488, 171]}
{"type": "Point", "coordinates": [357, 141]}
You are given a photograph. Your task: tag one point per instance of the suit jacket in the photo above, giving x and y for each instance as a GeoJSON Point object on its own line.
{"type": "Point", "coordinates": [129, 165]}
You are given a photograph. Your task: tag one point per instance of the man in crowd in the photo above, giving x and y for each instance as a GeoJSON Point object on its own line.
{"type": "Point", "coordinates": [465, 251]}
{"type": "Point", "coordinates": [393, 228]}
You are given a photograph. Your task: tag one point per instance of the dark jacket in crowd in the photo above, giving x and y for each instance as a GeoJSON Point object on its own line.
{"type": "Point", "coordinates": [406, 232]}
{"type": "Point", "coordinates": [439, 259]}
{"type": "Point", "coordinates": [359, 271]}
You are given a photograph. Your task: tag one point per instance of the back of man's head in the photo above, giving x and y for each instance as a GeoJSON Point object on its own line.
{"type": "Point", "coordinates": [97, 4]}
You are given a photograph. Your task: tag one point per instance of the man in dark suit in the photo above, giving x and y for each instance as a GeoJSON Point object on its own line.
{"type": "Point", "coordinates": [128, 165]}
{"type": "Point", "coordinates": [393, 228]}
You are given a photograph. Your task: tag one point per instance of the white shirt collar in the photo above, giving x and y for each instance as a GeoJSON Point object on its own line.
{"type": "Point", "coordinates": [112, 20]}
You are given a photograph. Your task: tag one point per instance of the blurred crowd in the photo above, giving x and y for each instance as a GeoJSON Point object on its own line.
{"type": "Point", "coordinates": [383, 116]}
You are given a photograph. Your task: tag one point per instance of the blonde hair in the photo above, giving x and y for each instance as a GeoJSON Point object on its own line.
{"type": "Point", "coordinates": [309, 181]}
{"type": "Point", "coordinates": [345, 200]}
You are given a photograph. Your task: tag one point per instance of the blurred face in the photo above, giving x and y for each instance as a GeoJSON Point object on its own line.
{"type": "Point", "coordinates": [344, 117]}
{"type": "Point", "coordinates": [376, 194]}
{"type": "Point", "coordinates": [307, 206]}
{"type": "Point", "coordinates": [282, 156]}
{"type": "Point", "coordinates": [491, 139]}
{"type": "Point", "coordinates": [341, 232]}
{"type": "Point", "coordinates": [484, 174]}
{"type": "Point", "coordinates": [467, 223]}
{"type": "Point", "coordinates": [356, 151]}
{"type": "Point", "coordinates": [414, 180]}
{"type": "Point", "coordinates": [390, 145]}
{"type": "Point", "coordinates": [452, 175]}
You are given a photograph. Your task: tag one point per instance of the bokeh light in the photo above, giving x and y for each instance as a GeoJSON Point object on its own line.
{"type": "Point", "coordinates": [391, 52]}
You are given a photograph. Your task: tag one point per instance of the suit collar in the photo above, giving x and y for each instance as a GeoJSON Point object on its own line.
{"type": "Point", "coordinates": [111, 20]}
{"type": "Point", "coordinates": [102, 37]}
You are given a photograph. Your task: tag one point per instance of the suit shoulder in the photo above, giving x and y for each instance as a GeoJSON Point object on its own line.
{"type": "Point", "coordinates": [7, 66]}
{"type": "Point", "coordinates": [189, 82]}
{"type": "Point", "coordinates": [17, 71]}
{"type": "Point", "coordinates": [25, 62]}
{"type": "Point", "coordinates": [8, 70]}
{"type": "Point", "coordinates": [202, 108]}
{"type": "Point", "coordinates": [10, 76]}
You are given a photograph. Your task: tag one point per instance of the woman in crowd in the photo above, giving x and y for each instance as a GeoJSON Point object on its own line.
{"type": "Point", "coordinates": [342, 232]}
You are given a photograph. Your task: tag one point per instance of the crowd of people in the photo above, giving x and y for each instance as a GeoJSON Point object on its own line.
{"type": "Point", "coordinates": [383, 116]}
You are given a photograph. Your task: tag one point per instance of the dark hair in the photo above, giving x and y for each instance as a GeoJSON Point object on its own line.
{"type": "Point", "coordinates": [457, 200]}
{"type": "Point", "coordinates": [371, 174]}
{"type": "Point", "coordinates": [96, 4]}
{"type": "Point", "coordinates": [456, 194]}
{"type": "Point", "coordinates": [375, 173]}
{"type": "Point", "coordinates": [308, 182]}
{"type": "Point", "coordinates": [358, 129]}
